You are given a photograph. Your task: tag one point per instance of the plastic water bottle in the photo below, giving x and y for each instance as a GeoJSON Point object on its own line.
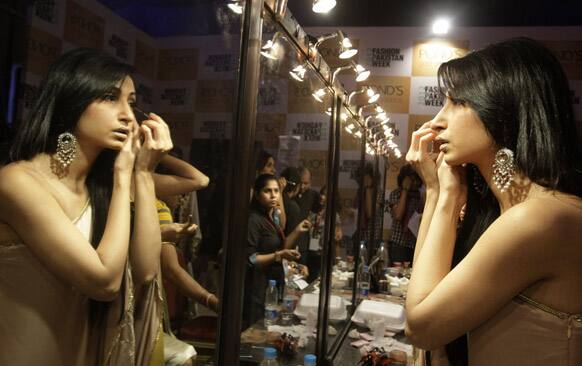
{"type": "Point", "coordinates": [309, 360]}
{"type": "Point", "coordinates": [277, 217]}
{"type": "Point", "coordinates": [382, 254]}
{"type": "Point", "coordinates": [271, 306]}
{"type": "Point", "coordinates": [270, 358]}
{"type": "Point", "coordinates": [363, 253]}
{"type": "Point", "coordinates": [288, 305]}
{"type": "Point", "coordinates": [364, 281]}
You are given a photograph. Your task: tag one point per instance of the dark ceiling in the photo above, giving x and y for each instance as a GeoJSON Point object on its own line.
{"type": "Point", "coordinates": [183, 17]}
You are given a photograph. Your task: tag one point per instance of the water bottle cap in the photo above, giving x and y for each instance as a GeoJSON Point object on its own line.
{"type": "Point", "coordinates": [309, 359]}
{"type": "Point", "coordinates": [270, 352]}
{"type": "Point", "coordinates": [272, 282]}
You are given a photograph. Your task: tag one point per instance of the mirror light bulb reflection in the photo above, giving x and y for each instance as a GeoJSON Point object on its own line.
{"type": "Point", "coordinates": [235, 7]}
{"type": "Point", "coordinates": [269, 49]}
{"type": "Point", "coordinates": [298, 73]}
{"type": "Point", "coordinates": [323, 6]}
{"type": "Point", "coordinates": [318, 95]}
{"type": "Point", "coordinates": [347, 53]}
{"type": "Point", "coordinates": [362, 73]}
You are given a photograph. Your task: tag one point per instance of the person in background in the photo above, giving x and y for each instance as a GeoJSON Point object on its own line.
{"type": "Point", "coordinates": [266, 165]}
{"type": "Point", "coordinates": [290, 177]}
{"type": "Point", "coordinates": [404, 202]}
{"type": "Point", "coordinates": [267, 245]}
{"type": "Point", "coordinates": [308, 201]}
{"type": "Point", "coordinates": [508, 149]}
{"type": "Point", "coordinates": [316, 235]}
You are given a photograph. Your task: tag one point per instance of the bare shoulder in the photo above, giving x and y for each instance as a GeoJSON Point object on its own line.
{"type": "Point", "coordinates": [18, 185]}
{"type": "Point", "coordinates": [549, 219]}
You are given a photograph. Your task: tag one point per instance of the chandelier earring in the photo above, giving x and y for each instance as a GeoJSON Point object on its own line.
{"type": "Point", "coordinates": [66, 149]}
{"type": "Point", "coordinates": [503, 169]}
{"type": "Point", "coordinates": [478, 182]}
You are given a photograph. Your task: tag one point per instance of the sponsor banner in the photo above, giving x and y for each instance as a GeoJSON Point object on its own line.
{"type": "Point", "coordinates": [48, 15]}
{"type": "Point", "coordinates": [268, 129]}
{"type": "Point", "coordinates": [414, 123]}
{"type": "Point", "coordinates": [569, 53]}
{"type": "Point", "coordinates": [145, 93]}
{"type": "Point", "coordinates": [301, 100]}
{"type": "Point", "coordinates": [119, 40]}
{"type": "Point", "coordinates": [272, 97]}
{"type": "Point", "coordinates": [381, 58]}
{"type": "Point", "coordinates": [424, 95]}
{"type": "Point", "coordinates": [349, 164]}
{"type": "Point", "coordinates": [313, 129]}
{"type": "Point", "coordinates": [214, 126]}
{"type": "Point", "coordinates": [214, 96]}
{"type": "Point", "coordinates": [43, 49]}
{"type": "Point", "coordinates": [145, 59]}
{"type": "Point", "coordinates": [177, 64]}
{"type": "Point", "coordinates": [181, 127]}
{"type": "Point", "coordinates": [394, 92]}
{"type": "Point", "coordinates": [175, 96]}
{"type": "Point", "coordinates": [316, 162]}
{"type": "Point", "coordinates": [27, 92]}
{"type": "Point", "coordinates": [83, 27]}
{"type": "Point", "coordinates": [217, 63]}
{"type": "Point", "coordinates": [428, 55]}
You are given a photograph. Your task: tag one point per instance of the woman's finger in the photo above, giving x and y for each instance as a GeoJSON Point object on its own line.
{"type": "Point", "coordinates": [416, 135]}
{"type": "Point", "coordinates": [147, 133]}
{"type": "Point", "coordinates": [423, 143]}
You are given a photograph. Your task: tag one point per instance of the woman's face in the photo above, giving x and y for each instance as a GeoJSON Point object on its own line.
{"type": "Point", "coordinates": [461, 135]}
{"type": "Point", "coordinates": [268, 196]}
{"type": "Point", "coordinates": [269, 167]}
{"type": "Point", "coordinates": [106, 122]}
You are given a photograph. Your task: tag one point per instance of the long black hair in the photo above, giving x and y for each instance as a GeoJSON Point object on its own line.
{"type": "Point", "coordinates": [521, 94]}
{"type": "Point", "coordinates": [76, 79]}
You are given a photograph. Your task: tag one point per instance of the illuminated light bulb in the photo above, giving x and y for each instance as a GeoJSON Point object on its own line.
{"type": "Point", "coordinates": [318, 94]}
{"type": "Point", "coordinates": [328, 111]}
{"type": "Point", "coordinates": [235, 7]}
{"type": "Point", "coordinates": [323, 6]}
{"type": "Point", "coordinates": [344, 116]}
{"type": "Point", "coordinates": [298, 73]}
{"type": "Point", "coordinates": [441, 26]}
{"type": "Point", "coordinates": [362, 73]}
{"type": "Point", "coordinates": [358, 134]}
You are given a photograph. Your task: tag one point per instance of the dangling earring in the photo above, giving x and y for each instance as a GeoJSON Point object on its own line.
{"type": "Point", "coordinates": [503, 169]}
{"type": "Point", "coordinates": [66, 149]}
{"type": "Point", "coordinates": [478, 182]}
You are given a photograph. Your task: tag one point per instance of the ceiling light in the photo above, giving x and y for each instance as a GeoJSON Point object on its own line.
{"type": "Point", "coordinates": [318, 95]}
{"type": "Point", "coordinates": [323, 6]}
{"type": "Point", "coordinates": [441, 26]}
{"type": "Point", "coordinates": [236, 7]}
{"type": "Point", "coordinates": [328, 111]}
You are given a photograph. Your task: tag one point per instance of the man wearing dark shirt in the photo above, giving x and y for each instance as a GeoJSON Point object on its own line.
{"type": "Point", "coordinates": [309, 201]}
{"type": "Point", "coordinates": [290, 192]}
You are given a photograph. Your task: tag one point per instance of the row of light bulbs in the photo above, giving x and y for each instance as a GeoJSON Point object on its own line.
{"type": "Point", "coordinates": [378, 142]}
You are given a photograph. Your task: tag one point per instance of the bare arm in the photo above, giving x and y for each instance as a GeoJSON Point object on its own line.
{"type": "Point", "coordinates": [183, 178]}
{"type": "Point", "coordinates": [38, 219]}
{"type": "Point", "coordinates": [172, 271]}
{"type": "Point", "coordinates": [292, 237]}
{"type": "Point", "coordinates": [399, 208]}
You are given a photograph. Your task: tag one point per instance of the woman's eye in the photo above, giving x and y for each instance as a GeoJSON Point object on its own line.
{"type": "Point", "coordinates": [109, 98]}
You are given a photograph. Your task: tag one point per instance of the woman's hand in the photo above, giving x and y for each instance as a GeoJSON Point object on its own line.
{"type": "Point", "coordinates": [304, 226]}
{"type": "Point", "coordinates": [176, 231]}
{"type": "Point", "coordinates": [282, 183]}
{"type": "Point", "coordinates": [125, 160]}
{"type": "Point", "coordinates": [423, 160]}
{"type": "Point", "coordinates": [289, 254]}
{"type": "Point", "coordinates": [156, 143]}
{"type": "Point", "coordinates": [452, 182]}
